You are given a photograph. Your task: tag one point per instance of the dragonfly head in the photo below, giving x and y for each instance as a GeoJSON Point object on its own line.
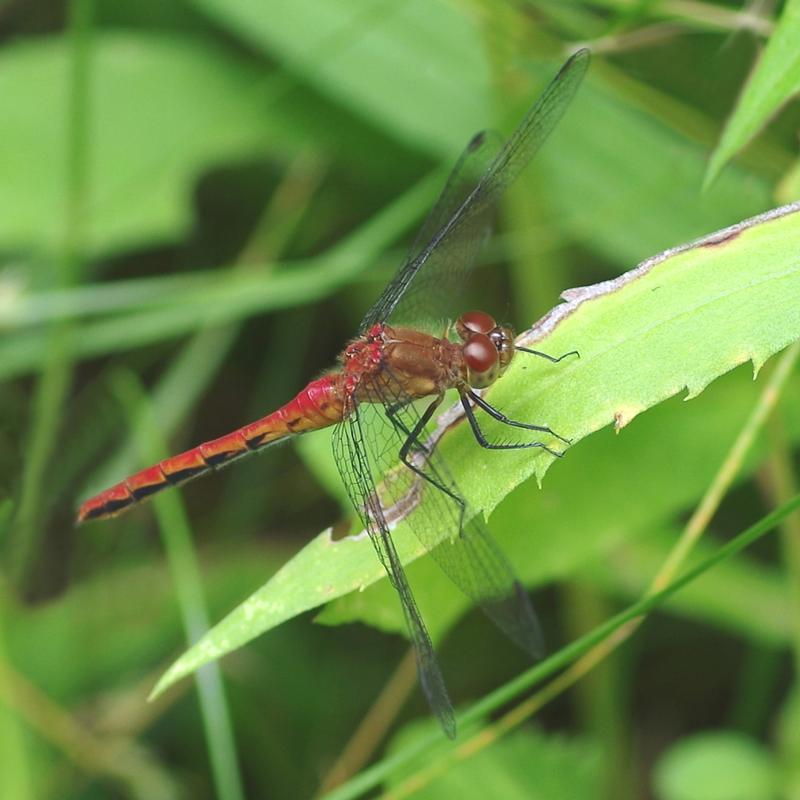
{"type": "Point", "coordinates": [488, 347]}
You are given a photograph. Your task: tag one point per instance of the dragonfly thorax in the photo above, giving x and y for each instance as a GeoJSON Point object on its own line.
{"type": "Point", "coordinates": [487, 350]}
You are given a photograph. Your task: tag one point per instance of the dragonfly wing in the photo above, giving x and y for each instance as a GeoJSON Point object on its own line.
{"type": "Point", "coordinates": [360, 471]}
{"type": "Point", "coordinates": [458, 539]}
{"type": "Point", "coordinates": [464, 177]}
{"type": "Point", "coordinates": [421, 306]}
{"type": "Point", "coordinates": [452, 247]}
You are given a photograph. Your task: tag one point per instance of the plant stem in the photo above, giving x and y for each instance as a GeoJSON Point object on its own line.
{"type": "Point", "coordinates": [177, 538]}
{"type": "Point", "coordinates": [56, 376]}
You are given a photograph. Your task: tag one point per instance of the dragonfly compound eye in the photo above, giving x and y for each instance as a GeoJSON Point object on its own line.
{"type": "Point", "coordinates": [482, 360]}
{"type": "Point", "coordinates": [474, 322]}
{"type": "Point", "coordinates": [503, 339]}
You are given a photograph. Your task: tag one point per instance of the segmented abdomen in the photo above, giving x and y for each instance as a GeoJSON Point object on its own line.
{"type": "Point", "coordinates": [320, 404]}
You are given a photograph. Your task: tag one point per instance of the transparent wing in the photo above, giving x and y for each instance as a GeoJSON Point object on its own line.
{"type": "Point", "coordinates": [455, 237]}
{"type": "Point", "coordinates": [358, 473]}
{"type": "Point", "coordinates": [431, 296]}
{"type": "Point", "coordinates": [422, 492]}
{"type": "Point", "coordinates": [449, 529]}
{"type": "Point", "coordinates": [462, 181]}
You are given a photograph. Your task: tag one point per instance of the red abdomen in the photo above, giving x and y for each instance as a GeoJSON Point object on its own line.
{"type": "Point", "coordinates": [318, 405]}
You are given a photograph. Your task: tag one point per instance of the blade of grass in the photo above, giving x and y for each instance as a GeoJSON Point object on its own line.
{"type": "Point", "coordinates": [730, 467]}
{"type": "Point", "coordinates": [782, 485]}
{"type": "Point", "coordinates": [16, 776]}
{"type": "Point", "coordinates": [225, 300]}
{"type": "Point", "coordinates": [774, 81]}
{"type": "Point", "coordinates": [98, 299]}
{"type": "Point", "coordinates": [176, 536]}
{"type": "Point", "coordinates": [563, 658]}
{"type": "Point", "coordinates": [117, 758]}
{"type": "Point", "coordinates": [56, 376]}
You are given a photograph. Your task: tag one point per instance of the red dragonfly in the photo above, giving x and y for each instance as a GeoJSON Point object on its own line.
{"type": "Point", "coordinates": [382, 448]}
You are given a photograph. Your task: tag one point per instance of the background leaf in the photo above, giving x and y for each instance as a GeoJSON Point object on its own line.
{"type": "Point", "coordinates": [716, 765]}
{"type": "Point", "coordinates": [775, 80]}
{"type": "Point", "coordinates": [527, 765]}
{"type": "Point", "coordinates": [163, 109]}
{"type": "Point", "coordinates": [254, 178]}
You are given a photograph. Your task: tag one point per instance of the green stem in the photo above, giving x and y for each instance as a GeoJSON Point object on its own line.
{"type": "Point", "coordinates": [379, 772]}
{"type": "Point", "coordinates": [16, 777]}
{"type": "Point", "coordinates": [56, 376]}
{"type": "Point", "coordinates": [177, 538]}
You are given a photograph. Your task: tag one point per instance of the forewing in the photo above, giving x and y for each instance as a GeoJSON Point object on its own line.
{"type": "Point", "coordinates": [361, 472]}
{"type": "Point", "coordinates": [431, 296]}
{"type": "Point", "coordinates": [451, 250]}
{"type": "Point", "coordinates": [462, 181]}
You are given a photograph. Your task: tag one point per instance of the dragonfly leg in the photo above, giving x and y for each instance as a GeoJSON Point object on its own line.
{"type": "Point", "coordinates": [413, 442]}
{"type": "Point", "coordinates": [500, 417]}
{"type": "Point", "coordinates": [412, 437]}
{"type": "Point", "coordinates": [484, 442]}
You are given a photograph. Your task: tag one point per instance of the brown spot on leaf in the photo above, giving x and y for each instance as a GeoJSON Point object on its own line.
{"type": "Point", "coordinates": [720, 240]}
{"type": "Point", "coordinates": [624, 415]}
{"type": "Point", "coordinates": [341, 529]}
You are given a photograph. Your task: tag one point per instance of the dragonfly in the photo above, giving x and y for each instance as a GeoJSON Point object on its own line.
{"type": "Point", "coordinates": [391, 380]}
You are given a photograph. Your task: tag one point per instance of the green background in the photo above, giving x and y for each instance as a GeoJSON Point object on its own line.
{"type": "Point", "coordinates": [198, 202]}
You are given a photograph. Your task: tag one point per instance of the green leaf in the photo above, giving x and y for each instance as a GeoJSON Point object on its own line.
{"type": "Point", "coordinates": [676, 322]}
{"type": "Point", "coordinates": [775, 80]}
{"type": "Point", "coordinates": [743, 596]}
{"type": "Point", "coordinates": [718, 765]}
{"type": "Point", "coordinates": [395, 65]}
{"type": "Point", "coordinates": [625, 184]}
{"type": "Point", "coordinates": [154, 309]}
{"type": "Point", "coordinates": [527, 765]}
{"type": "Point", "coordinates": [163, 109]}
{"type": "Point", "coordinates": [629, 489]}
{"type": "Point", "coordinates": [789, 188]}
{"type": "Point", "coordinates": [788, 736]}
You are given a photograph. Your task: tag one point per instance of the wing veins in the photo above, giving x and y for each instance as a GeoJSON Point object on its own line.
{"type": "Point", "coordinates": [350, 449]}
{"type": "Point", "coordinates": [523, 144]}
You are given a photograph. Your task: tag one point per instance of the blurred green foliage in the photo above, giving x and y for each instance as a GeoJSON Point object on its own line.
{"type": "Point", "coordinates": [209, 195]}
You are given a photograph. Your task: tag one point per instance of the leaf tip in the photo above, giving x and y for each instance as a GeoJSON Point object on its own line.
{"type": "Point", "coordinates": [164, 682]}
{"type": "Point", "coordinates": [758, 361]}
{"type": "Point", "coordinates": [715, 165]}
{"type": "Point", "coordinates": [195, 657]}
